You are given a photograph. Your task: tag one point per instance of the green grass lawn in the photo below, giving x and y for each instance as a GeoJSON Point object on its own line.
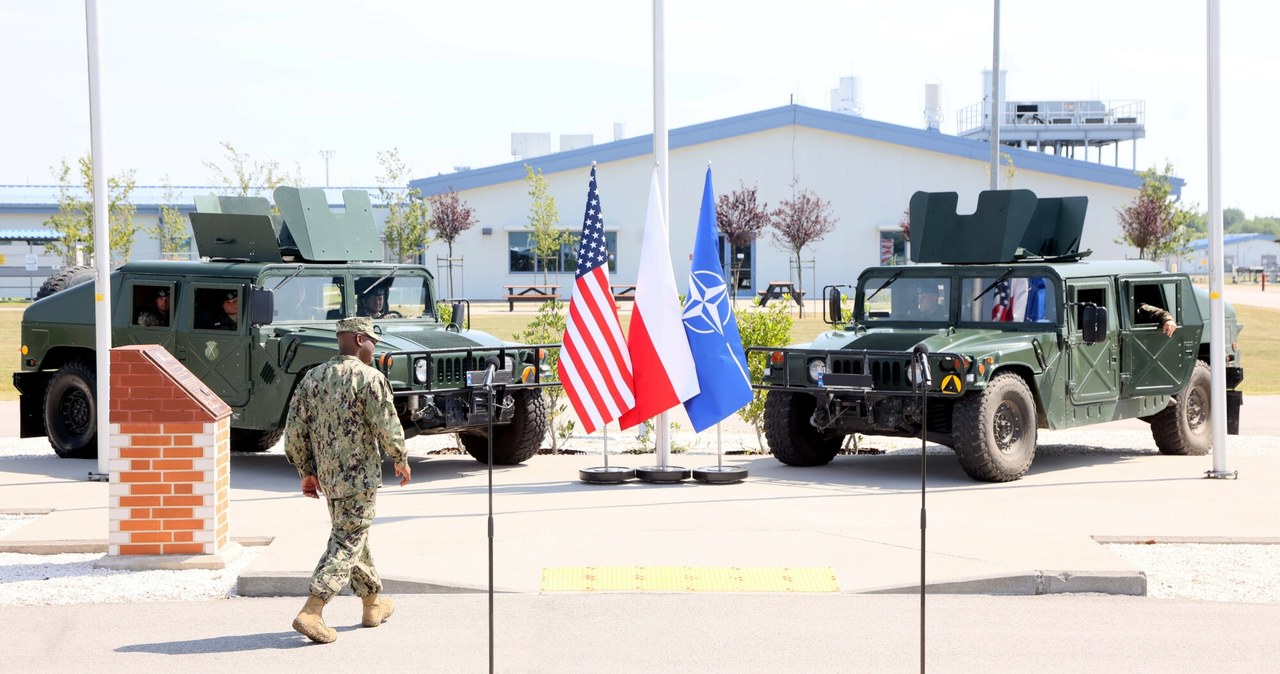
{"type": "Point", "coordinates": [1259, 342]}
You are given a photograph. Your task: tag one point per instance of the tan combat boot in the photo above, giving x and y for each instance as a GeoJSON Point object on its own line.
{"type": "Point", "coordinates": [311, 624]}
{"type": "Point", "coordinates": [377, 608]}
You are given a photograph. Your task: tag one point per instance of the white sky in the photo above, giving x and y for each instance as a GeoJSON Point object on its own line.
{"type": "Point", "coordinates": [447, 82]}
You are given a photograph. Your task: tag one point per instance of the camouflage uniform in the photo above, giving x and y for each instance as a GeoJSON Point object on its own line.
{"type": "Point", "coordinates": [340, 415]}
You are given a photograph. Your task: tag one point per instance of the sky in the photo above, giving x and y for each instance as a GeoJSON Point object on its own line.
{"type": "Point", "coordinates": [446, 83]}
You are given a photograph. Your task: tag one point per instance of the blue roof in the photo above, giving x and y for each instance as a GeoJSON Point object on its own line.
{"type": "Point", "coordinates": [32, 235]}
{"type": "Point", "coordinates": [787, 115]}
{"type": "Point", "coordinates": [148, 198]}
{"type": "Point", "coordinates": [1228, 239]}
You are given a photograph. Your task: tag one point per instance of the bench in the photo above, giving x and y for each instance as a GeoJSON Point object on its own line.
{"type": "Point", "coordinates": [623, 292]}
{"type": "Point", "coordinates": [777, 289]}
{"type": "Point", "coordinates": [531, 293]}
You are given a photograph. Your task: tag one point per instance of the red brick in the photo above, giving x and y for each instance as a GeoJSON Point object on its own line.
{"type": "Point", "coordinates": [139, 513]}
{"type": "Point", "coordinates": [140, 429]}
{"type": "Point", "coordinates": [184, 427]}
{"type": "Point", "coordinates": [151, 441]}
{"type": "Point", "coordinates": [184, 549]}
{"type": "Point", "coordinates": [183, 441]}
{"type": "Point", "coordinates": [184, 476]}
{"type": "Point", "coordinates": [183, 536]}
{"type": "Point", "coordinates": [150, 537]}
{"type": "Point", "coordinates": [140, 464]}
{"type": "Point", "coordinates": [140, 549]}
{"type": "Point", "coordinates": [139, 452]}
{"type": "Point", "coordinates": [168, 463]}
{"type": "Point", "coordinates": [173, 452]}
{"type": "Point", "coordinates": [195, 501]}
{"type": "Point", "coordinates": [148, 476]}
{"type": "Point", "coordinates": [141, 525]}
{"type": "Point", "coordinates": [183, 525]}
{"type": "Point", "coordinates": [183, 488]}
{"type": "Point", "coordinates": [140, 501]}
{"type": "Point", "coordinates": [142, 488]}
{"type": "Point", "coordinates": [172, 513]}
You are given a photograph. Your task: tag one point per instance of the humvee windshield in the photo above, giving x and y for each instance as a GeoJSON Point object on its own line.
{"type": "Point", "coordinates": [317, 295]}
{"type": "Point", "coordinates": [905, 298]}
{"type": "Point", "coordinates": [982, 296]}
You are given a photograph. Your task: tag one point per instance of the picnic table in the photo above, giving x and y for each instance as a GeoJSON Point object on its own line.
{"type": "Point", "coordinates": [623, 292]}
{"type": "Point", "coordinates": [531, 293]}
{"type": "Point", "coordinates": [777, 289]}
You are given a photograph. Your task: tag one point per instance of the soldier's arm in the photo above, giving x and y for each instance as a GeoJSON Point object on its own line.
{"type": "Point", "coordinates": [1167, 323]}
{"type": "Point", "coordinates": [297, 436]}
{"type": "Point", "coordinates": [381, 411]}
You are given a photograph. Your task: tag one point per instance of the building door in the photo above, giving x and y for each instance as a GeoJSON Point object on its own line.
{"type": "Point", "coordinates": [737, 262]}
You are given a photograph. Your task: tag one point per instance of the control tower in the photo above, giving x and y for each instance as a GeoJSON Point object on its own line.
{"type": "Point", "coordinates": [1057, 126]}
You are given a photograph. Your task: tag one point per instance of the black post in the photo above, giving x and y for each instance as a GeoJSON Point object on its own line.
{"type": "Point", "coordinates": [491, 366]}
{"type": "Point", "coordinates": [923, 379]}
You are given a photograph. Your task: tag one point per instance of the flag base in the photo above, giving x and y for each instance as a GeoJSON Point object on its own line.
{"type": "Point", "coordinates": [662, 474]}
{"type": "Point", "coordinates": [606, 474]}
{"type": "Point", "coordinates": [720, 474]}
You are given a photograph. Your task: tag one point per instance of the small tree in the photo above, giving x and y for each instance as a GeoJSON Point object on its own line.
{"type": "Point", "coordinates": [245, 176]}
{"type": "Point", "coordinates": [171, 229]}
{"type": "Point", "coordinates": [547, 328]}
{"type": "Point", "coordinates": [545, 239]}
{"type": "Point", "coordinates": [406, 229]}
{"type": "Point", "coordinates": [74, 219]}
{"type": "Point", "coordinates": [450, 216]}
{"type": "Point", "coordinates": [1154, 223]}
{"type": "Point", "coordinates": [768, 326]}
{"type": "Point", "coordinates": [741, 218]}
{"type": "Point", "coordinates": [799, 221]}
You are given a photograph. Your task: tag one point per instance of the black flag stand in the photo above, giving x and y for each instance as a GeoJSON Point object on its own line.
{"type": "Point", "coordinates": [719, 473]}
{"type": "Point", "coordinates": [606, 474]}
{"type": "Point", "coordinates": [923, 380]}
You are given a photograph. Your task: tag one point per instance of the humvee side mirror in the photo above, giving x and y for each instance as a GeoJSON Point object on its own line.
{"type": "Point", "coordinates": [457, 317]}
{"type": "Point", "coordinates": [262, 305]}
{"type": "Point", "coordinates": [1093, 323]}
{"type": "Point", "coordinates": [833, 313]}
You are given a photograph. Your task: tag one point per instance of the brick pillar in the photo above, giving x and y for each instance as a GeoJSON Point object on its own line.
{"type": "Point", "coordinates": [169, 459]}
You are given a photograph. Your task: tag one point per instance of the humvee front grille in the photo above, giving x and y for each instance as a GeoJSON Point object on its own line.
{"type": "Point", "coordinates": [885, 372]}
{"type": "Point", "coordinates": [452, 370]}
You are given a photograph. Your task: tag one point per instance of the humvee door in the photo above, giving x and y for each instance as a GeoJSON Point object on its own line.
{"type": "Point", "coordinates": [1150, 362]}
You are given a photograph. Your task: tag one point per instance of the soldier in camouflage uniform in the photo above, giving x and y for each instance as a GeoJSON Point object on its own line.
{"type": "Point", "coordinates": [340, 415]}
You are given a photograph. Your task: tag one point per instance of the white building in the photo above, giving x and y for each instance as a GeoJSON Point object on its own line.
{"type": "Point", "coordinates": [1240, 252]}
{"type": "Point", "coordinates": [867, 170]}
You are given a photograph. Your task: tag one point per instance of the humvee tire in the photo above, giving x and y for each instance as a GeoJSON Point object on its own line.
{"type": "Point", "coordinates": [995, 432]}
{"type": "Point", "coordinates": [517, 441]}
{"type": "Point", "coordinates": [1184, 428]}
{"type": "Point", "coordinates": [70, 411]}
{"type": "Point", "coordinates": [65, 278]}
{"type": "Point", "coordinates": [792, 439]}
{"type": "Point", "coordinates": [247, 440]}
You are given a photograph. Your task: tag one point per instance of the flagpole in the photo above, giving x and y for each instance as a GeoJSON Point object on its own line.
{"type": "Point", "coordinates": [661, 433]}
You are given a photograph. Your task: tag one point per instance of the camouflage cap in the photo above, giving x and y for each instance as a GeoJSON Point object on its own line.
{"type": "Point", "coordinates": [358, 324]}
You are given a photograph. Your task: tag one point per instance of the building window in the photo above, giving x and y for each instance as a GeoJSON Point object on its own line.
{"type": "Point", "coordinates": [521, 256]}
{"type": "Point", "coordinates": [893, 247]}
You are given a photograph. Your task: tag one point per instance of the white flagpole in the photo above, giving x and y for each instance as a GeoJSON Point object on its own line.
{"type": "Point", "coordinates": [661, 433]}
{"type": "Point", "coordinates": [1217, 318]}
{"type": "Point", "coordinates": [101, 242]}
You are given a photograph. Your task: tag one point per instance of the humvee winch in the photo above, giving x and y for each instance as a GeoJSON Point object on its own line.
{"type": "Point", "coordinates": [1019, 332]}
{"type": "Point", "coordinates": [253, 317]}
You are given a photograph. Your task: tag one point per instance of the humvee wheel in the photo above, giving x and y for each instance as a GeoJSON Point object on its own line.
{"type": "Point", "coordinates": [71, 413]}
{"type": "Point", "coordinates": [1184, 428]}
{"type": "Point", "coordinates": [792, 439]}
{"type": "Point", "coordinates": [517, 441]}
{"type": "Point", "coordinates": [245, 440]}
{"type": "Point", "coordinates": [995, 431]}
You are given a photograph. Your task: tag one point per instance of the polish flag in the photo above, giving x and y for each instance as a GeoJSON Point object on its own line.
{"type": "Point", "coordinates": [662, 370]}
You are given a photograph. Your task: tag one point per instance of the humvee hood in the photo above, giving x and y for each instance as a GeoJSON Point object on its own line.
{"type": "Point", "coordinates": [416, 338]}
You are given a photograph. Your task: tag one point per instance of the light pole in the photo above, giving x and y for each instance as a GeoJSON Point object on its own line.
{"type": "Point", "coordinates": [326, 154]}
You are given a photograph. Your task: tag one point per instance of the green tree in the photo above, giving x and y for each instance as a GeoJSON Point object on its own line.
{"type": "Point", "coordinates": [547, 328]}
{"type": "Point", "coordinates": [74, 219]}
{"type": "Point", "coordinates": [1154, 223]}
{"type": "Point", "coordinates": [171, 229]}
{"type": "Point", "coordinates": [406, 229]}
{"type": "Point", "coordinates": [766, 326]}
{"type": "Point", "coordinates": [245, 176]}
{"type": "Point", "coordinates": [546, 239]}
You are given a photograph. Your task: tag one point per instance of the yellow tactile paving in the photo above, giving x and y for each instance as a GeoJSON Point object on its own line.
{"type": "Point", "coordinates": [689, 579]}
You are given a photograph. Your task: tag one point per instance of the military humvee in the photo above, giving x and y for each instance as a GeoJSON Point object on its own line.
{"type": "Point", "coordinates": [252, 318]}
{"type": "Point", "coordinates": [1019, 332]}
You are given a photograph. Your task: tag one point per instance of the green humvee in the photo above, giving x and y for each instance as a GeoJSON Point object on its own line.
{"type": "Point", "coordinates": [252, 319]}
{"type": "Point", "coordinates": [1019, 332]}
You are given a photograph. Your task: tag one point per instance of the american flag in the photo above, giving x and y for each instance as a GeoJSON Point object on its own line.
{"type": "Point", "coordinates": [594, 366]}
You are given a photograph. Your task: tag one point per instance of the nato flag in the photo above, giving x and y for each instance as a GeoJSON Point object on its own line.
{"type": "Point", "coordinates": [712, 330]}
